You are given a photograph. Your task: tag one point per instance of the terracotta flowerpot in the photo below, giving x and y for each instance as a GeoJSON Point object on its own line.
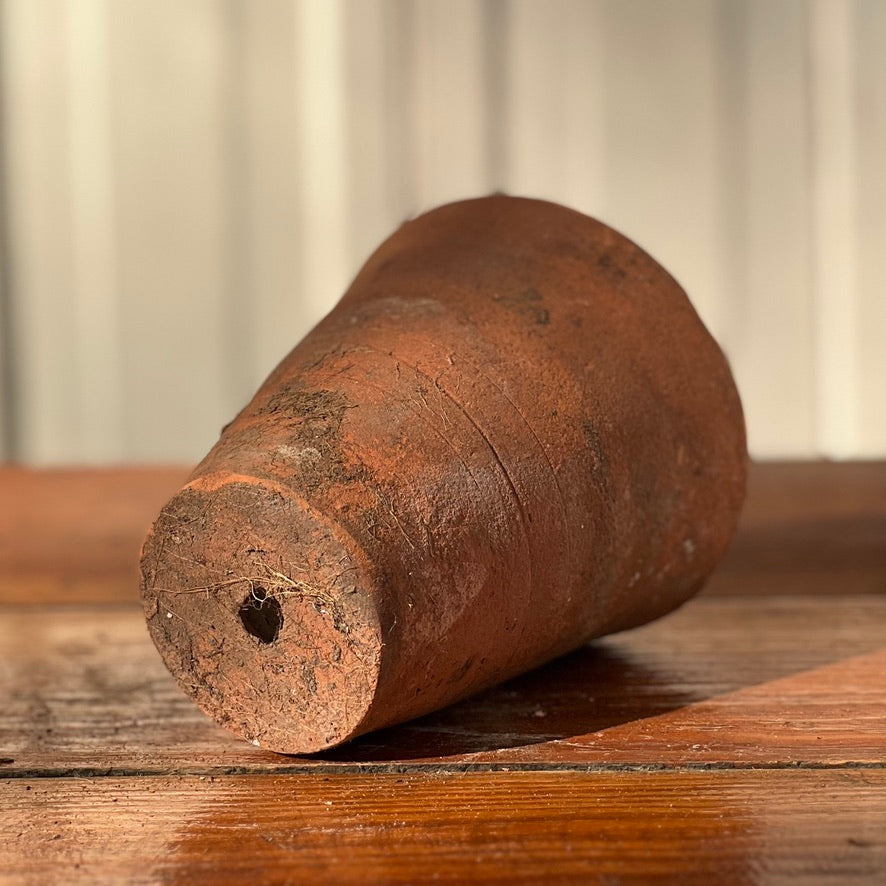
{"type": "Point", "coordinates": [512, 434]}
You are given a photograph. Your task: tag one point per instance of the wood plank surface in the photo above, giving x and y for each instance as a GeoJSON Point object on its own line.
{"type": "Point", "coordinates": [73, 535]}
{"type": "Point", "coordinates": [741, 739]}
{"type": "Point", "coordinates": [809, 528]}
{"type": "Point", "coordinates": [725, 681]}
{"type": "Point", "coordinates": [615, 827]}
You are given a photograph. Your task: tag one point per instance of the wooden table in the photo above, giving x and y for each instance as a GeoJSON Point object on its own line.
{"type": "Point", "coordinates": [740, 740]}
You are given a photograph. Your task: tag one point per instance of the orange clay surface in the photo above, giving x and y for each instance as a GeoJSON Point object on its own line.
{"type": "Point", "coordinates": [512, 434]}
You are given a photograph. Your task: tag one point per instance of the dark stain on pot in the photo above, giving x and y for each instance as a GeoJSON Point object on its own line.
{"type": "Point", "coordinates": [528, 302]}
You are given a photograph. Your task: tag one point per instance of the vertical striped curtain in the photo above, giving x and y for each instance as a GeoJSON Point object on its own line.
{"type": "Point", "coordinates": [188, 186]}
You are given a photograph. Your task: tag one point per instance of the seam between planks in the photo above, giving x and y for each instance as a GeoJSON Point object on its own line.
{"type": "Point", "coordinates": [426, 768]}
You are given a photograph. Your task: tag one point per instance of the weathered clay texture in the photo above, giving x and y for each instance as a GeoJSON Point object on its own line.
{"type": "Point", "coordinates": [513, 434]}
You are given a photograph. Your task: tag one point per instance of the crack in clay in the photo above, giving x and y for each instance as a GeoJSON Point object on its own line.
{"type": "Point", "coordinates": [484, 375]}
{"type": "Point", "coordinates": [561, 500]}
{"type": "Point", "coordinates": [463, 409]}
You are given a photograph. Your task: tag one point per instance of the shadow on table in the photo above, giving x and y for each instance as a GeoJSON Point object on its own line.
{"type": "Point", "coordinates": [589, 690]}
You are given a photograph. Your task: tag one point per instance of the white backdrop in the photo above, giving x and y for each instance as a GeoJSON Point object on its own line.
{"type": "Point", "coordinates": [188, 186]}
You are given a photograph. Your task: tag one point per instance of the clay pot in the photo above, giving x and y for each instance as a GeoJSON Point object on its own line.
{"type": "Point", "coordinates": [512, 434]}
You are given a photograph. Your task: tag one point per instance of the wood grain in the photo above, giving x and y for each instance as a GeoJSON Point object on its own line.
{"type": "Point", "coordinates": [726, 827]}
{"type": "Point", "coordinates": [84, 691]}
{"type": "Point", "coordinates": [742, 739]}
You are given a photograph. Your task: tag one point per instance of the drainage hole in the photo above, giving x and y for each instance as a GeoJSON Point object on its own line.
{"type": "Point", "coordinates": [262, 615]}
